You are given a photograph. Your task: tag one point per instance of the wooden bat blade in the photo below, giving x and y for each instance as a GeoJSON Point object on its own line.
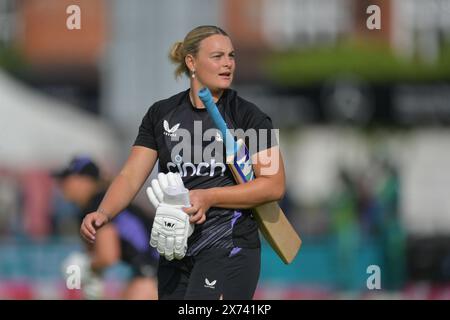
{"type": "Point", "coordinates": [272, 221]}
{"type": "Point", "coordinates": [274, 226]}
{"type": "Point", "coordinates": [278, 231]}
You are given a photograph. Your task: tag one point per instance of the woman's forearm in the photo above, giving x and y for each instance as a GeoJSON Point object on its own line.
{"type": "Point", "coordinates": [248, 195]}
{"type": "Point", "coordinates": [129, 181]}
{"type": "Point", "coordinates": [120, 193]}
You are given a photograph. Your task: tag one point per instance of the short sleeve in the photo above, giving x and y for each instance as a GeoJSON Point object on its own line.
{"type": "Point", "coordinates": [146, 134]}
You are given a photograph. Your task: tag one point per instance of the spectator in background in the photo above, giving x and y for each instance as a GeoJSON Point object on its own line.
{"type": "Point", "coordinates": [125, 240]}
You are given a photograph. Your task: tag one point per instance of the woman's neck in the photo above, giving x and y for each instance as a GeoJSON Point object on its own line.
{"type": "Point", "coordinates": [195, 100]}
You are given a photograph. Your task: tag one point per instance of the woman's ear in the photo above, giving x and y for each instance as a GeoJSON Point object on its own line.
{"type": "Point", "coordinates": [190, 62]}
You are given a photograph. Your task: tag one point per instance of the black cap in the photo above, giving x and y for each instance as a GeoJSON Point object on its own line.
{"type": "Point", "coordinates": [80, 166]}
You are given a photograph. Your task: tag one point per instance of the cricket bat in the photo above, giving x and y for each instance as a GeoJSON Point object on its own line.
{"type": "Point", "coordinates": [272, 221]}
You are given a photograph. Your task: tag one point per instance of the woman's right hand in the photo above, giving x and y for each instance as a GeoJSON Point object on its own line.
{"type": "Point", "coordinates": [91, 223]}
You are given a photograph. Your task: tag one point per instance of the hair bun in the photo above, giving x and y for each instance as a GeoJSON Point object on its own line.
{"type": "Point", "coordinates": [176, 53]}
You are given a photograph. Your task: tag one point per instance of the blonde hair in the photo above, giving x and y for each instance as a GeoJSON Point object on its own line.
{"type": "Point", "coordinates": [190, 45]}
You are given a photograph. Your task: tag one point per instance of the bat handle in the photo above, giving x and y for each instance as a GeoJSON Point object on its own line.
{"type": "Point", "coordinates": [207, 99]}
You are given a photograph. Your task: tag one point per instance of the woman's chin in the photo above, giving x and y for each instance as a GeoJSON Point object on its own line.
{"type": "Point", "coordinates": [223, 85]}
{"type": "Point", "coordinates": [219, 86]}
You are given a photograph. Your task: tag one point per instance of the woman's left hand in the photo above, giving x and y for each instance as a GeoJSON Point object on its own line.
{"type": "Point", "coordinates": [200, 203]}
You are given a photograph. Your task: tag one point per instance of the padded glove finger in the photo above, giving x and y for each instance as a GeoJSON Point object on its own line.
{"type": "Point", "coordinates": [157, 190]}
{"type": "Point", "coordinates": [152, 197]}
{"type": "Point", "coordinates": [162, 179]}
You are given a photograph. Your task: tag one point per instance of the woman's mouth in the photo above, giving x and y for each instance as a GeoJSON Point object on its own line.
{"type": "Point", "coordinates": [225, 75]}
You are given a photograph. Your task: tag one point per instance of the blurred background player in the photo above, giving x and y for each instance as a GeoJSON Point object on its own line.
{"type": "Point", "coordinates": [125, 240]}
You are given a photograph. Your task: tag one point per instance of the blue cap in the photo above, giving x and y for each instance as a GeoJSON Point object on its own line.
{"type": "Point", "coordinates": [79, 166]}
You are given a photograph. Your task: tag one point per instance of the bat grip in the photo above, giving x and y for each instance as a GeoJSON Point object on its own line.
{"type": "Point", "coordinates": [207, 99]}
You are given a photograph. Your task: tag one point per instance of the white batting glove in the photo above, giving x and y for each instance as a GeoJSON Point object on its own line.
{"type": "Point", "coordinates": [171, 226]}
